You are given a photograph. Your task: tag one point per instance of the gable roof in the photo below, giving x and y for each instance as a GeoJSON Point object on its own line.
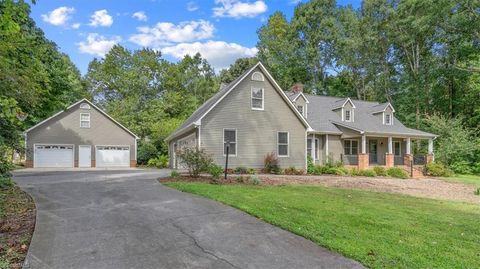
{"type": "Point", "coordinates": [195, 119]}
{"type": "Point", "coordinates": [342, 102]}
{"type": "Point", "coordinates": [382, 107]}
{"type": "Point", "coordinates": [91, 104]}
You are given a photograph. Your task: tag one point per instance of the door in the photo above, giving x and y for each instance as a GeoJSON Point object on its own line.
{"type": "Point", "coordinates": [53, 156]}
{"type": "Point", "coordinates": [112, 156]}
{"type": "Point", "coordinates": [84, 156]}
{"type": "Point", "coordinates": [372, 151]}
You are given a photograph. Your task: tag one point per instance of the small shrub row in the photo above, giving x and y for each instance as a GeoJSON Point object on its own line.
{"type": "Point", "coordinates": [293, 171]}
{"type": "Point", "coordinates": [436, 169]}
{"type": "Point", "coordinates": [158, 162]}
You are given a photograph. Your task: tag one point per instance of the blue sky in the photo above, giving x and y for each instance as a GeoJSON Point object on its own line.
{"type": "Point", "coordinates": [221, 30]}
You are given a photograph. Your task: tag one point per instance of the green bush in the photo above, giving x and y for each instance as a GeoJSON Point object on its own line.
{"type": "Point", "coordinates": [477, 191]}
{"type": "Point", "coordinates": [339, 171]}
{"type": "Point", "coordinates": [5, 167]}
{"type": "Point", "coordinates": [354, 172]}
{"type": "Point", "coordinates": [6, 182]}
{"type": "Point", "coordinates": [216, 171]}
{"type": "Point", "coordinates": [380, 171]}
{"type": "Point", "coordinates": [240, 170]}
{"type": "Point", "coordinates": [476, 168]}
{"type": "Point", "coordinates": [270, 164]}
{"type": "Point", "coordinates": [310, 165]}
{"type": "Point", "coordinates": [368, 173]}
{"type": "Point", "coordinates": [251, 171]}
{"type": "Point", "coordinates": [293, 171]}
{"type": "Point", "coordinates": [462, 167]}
{"type": "Point", "coordinates": [159, 162]}
{"type": "Point", "coordinates": [146, 151]}
{"type": "Point", "coordinates": [397, 172]}
{"type": "Point", "coordinates": [253, 179]}
{"type": "Point", "coordinates": [196, 160]}
{"type": "Point", "coordinates": [438, 170]}
{"type": "Point", "coordinates": [174, 173]}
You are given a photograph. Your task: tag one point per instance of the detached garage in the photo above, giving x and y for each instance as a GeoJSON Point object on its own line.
{"type": "Point", "coordinates": [80, 136]}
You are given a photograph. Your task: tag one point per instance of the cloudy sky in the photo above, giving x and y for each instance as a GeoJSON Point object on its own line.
{"type": "Point", "coordinates": [221, 30]}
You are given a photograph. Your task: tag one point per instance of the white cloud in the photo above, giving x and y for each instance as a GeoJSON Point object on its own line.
{"type": "Point", "coordinates": [192, 6]}
{"type": "Point", "coordinates": [97, 45]}
{"type": "Point", "coordinates": [58, 16]}
{"type": "Point", "coordinates": [101, 18]}
{"type": "Point", "coordinates": [238, 9]}
{"type": "Point", "coordinates": [165, 33]}
{"type": "Point", "coordinates": [294, 2]}
{"type": "Point", "coordinates": [219, 54]}
{"type": "Point", "coordinates": [76, 25]}
{"type": "Point", "coordinates": [140, 15]}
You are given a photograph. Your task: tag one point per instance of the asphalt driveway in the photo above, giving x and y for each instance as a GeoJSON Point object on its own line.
{"type": "Point", "coordinates": [126, 219]}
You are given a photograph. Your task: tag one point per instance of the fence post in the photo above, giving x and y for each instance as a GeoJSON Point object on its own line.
{"type": "Point", "coordinates": [411, 168]}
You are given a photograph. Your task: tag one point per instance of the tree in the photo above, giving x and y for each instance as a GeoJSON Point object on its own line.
{"type": "Point", "coordinates": [236, 69]}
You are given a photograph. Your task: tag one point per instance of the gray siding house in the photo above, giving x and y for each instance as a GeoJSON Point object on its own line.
{"type": "Point", "coordinates": [255, 116]}
{"type": "Point", "coordinates": [80, 136]}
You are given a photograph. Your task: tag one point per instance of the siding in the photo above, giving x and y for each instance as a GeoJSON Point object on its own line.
{"type": "Point", "coordinates": [65, 129]}
{"type": "Point", "coordinates": [335, 147]}
{"type": "Point", "coordinates": [256, 130]}
{"type": "Point", "coordinates": [187, 140]}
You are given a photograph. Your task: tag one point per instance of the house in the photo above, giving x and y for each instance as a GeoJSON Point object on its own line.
{"type": "Point", "coordinates": [80, 136]}
{"type": "Point", "coordinates": [255, 116]}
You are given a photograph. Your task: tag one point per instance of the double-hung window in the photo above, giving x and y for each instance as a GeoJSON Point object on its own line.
{"type": "Point", "coordinates": [257, 98]}
{"type": "Point", "coordinates": [300, 109]}
{"type": "Point", "coordinates": [388, 119]}
{"type": "Point", "coordinates": [282, 144]}
{"type": "Point", "coordinates": [348, 115]}
{"type": "Point", "coordinates": [84, 120]}
{"type": "Point", "coordinates": [230, 139]}
{"type": "Point", "coordinates": [350, 147]}
{"type": "Point", "coordinates": [397, 149]}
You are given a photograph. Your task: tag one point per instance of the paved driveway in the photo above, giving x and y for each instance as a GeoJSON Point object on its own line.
{"type": "Point", "coordinates": [126, 219]}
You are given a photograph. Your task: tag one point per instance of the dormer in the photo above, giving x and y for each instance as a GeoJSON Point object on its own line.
{"type": "Point", "coordinates": [346, 108]}
{"type": "Point", "coordinates": [385, 112]}
{"type": "Point", "coordinates": [299, 99]}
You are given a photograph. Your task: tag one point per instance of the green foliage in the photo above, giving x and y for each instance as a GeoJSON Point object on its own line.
{"type": "Point", "coordinates": [146, 151]}
{"type": "Point", "coordinates": [270, 164]}
{"type": "Point", "coordinates": [215, 170]}
{"type": "Point", "coordinates": [6, 182]}
{"type": "Point", "coordinates": [196, 160]}
{"type": "Point", "coordinates": [310, 165]}
{"type": "Point", "coordinates": [462, 167]}
{"type": "Point", "coordinates": [236, 69]}
{"type": "Point", "coordinates": [477, 191]}
{"type": "Point", "coordinates": [367, 173]}
{"type": "Point", "coordinates": [240, 170]}
{"type": "Point", "coordinates": [174, 173]}
{"type": "Point", "coordinates": [354, 172]}
{"type": "Point", "coordinates": [293, 171]}
{"type": "Point", "coordinates": [380, 171]}
{"type": "Point", "coordinates": [397, 172]}
{"type": "Point", "coordinates": [251, 171]}
{"type": "Point", "coordinates": [159, 162]}
{"type": "Point", "coordinates": [253, 179]}
{"type": "Point", "coordinates": [437, 169]}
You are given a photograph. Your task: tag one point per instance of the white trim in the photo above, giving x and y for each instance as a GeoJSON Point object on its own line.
{"type": "Point", "coordinates": [350, 115]}
{"type": "Point", "coordinates": [83, 100]}
{"type": "Point", "coordinates": [52, 144]}
{"type": "Point", "coordinates": [90, 164]}
{"type": "Point", "coordinates": [254, 73]}
{"type": "Point", "coordinates": [223, 142]}
{"type": "Point", "coordinates": [351, 140]}
{"type": "Point", "coordinates": [89, 125]}
{"type": "Point", "coordinates": [385, 118]}
{"type": "Point", "coordinates": [326, 146]}
{"type": "Point", "coordinates": [288, 144]}
{"type": "Point", "coordinates": [84, 106]}
{"type": "Point", "coordinates": [408, 146]}
{"type": "Point", "coordinates": [317, 147]}
{"type": "Point", "coordinates": [344, 103]}
{"type": "Point", "coordinates": [385, 108]}
{"type": "Point", "coordinates": [364, 144]}
{"type": "Point", "coordinates": [251, 98]}
{"type": "Point", "coordinates": [136, 149]}
{"type": "Point", "coordinates": [199, 137]}
{"type": "Point", "coordinates": [304, 97]}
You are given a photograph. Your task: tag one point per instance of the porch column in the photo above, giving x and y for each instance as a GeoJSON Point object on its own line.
{"type": "Point", "coordinates": [430, 156]}
{"type": "Point", "coordinates": [326, 147]}
{"type": "Point", "coordinates": [389, 158]}
{"type": "Point", "coordinates": [363, 156]}
{"type": "Point", "coordinates": [312, 152]}
{"type": "Point", "coordinates": [408, 158]}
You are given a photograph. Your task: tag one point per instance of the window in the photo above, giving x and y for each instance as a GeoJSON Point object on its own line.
{"type": "Point", "coordinates": [257, 76]}
{"type": "Point", "coordinates": [300, 109]}
{"type": "Point", "coordinates": [85, 106]}
{"type": "Point", "coordinates": [230, 136]}
{"type": "Point", "coordinates": [348, 116]}
{"type": "Point", "coordinates": [257, 99]}
{"type": "Point", "coordinates": [317, 146]}
{"type": "Point", "coordinates": [84, 120]}
{"type": "Point", "coordinates": [388, 119]}
{"type": "Point", "coordinates": [283, 144]}
{"type": "Point", "coordinates": [350, 147]}
{"type": "Point", "coordinates": [309, 147]}
{"type": "Point", "coordinates": [397, 149]}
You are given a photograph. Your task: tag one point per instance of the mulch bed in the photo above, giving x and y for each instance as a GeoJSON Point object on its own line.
{"type": "Point", "coordinates": [17, 222]}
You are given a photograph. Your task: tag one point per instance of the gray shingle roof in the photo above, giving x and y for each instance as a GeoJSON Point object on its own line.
{"type": "Point", "coordinates": [322, 117]}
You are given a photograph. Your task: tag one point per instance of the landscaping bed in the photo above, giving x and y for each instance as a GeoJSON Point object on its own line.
{"type": "Point", "coordinates": [17, 222]}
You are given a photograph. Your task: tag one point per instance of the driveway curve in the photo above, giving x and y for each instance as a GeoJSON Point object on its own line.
{"type": "Point", "coordinates": [126, 219]}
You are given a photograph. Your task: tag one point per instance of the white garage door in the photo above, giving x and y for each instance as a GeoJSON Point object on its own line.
{"type": "Point", "coordinates": [112, 156]}
{"type": "Point", "coordinates": [53, 156]}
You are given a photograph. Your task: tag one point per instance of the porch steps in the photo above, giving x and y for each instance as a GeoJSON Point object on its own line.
{"type": "Point", "coordinates": [417, 170]}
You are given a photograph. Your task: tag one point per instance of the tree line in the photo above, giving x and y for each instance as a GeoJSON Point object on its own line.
{"type": "Point", "coordinates": [420, 55]}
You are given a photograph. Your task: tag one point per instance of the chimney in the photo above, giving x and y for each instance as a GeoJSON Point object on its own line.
{"type": "Point", "coordinates": [297, 88]}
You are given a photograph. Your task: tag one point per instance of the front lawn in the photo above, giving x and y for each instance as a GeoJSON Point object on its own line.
{"type": "Point", "coordinates": [378, 229]}
{"type": "Point", "coordinates": [467, 179]}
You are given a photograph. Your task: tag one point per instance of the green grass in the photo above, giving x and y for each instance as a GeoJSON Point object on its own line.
{"type": "Point", "coordinates": [466, 179]}
{"type": "Point", "coordinates": [377, 229]}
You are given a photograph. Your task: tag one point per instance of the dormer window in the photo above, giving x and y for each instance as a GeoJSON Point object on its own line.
{"type": "Point", "coordinates": [348, 115]}
{"type": "Point", "coordinates": [257, 76]}
{"type": "Point", "coordinates": [388, 119]}
{"type": "Point", "coordinates": [85, 106]}
{"type": "Point", "coordinates": [300, 109]}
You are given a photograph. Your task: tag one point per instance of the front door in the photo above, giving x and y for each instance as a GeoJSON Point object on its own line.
{"type": "Point", "coordinates": [84, 156]}
{"type": "Point", "coordinates": [372, 151]}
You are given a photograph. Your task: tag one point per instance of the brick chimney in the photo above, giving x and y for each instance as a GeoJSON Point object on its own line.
{"type": "Point", "coordinates": [297, 88]}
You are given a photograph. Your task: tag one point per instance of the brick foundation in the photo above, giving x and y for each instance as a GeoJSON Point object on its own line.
{"type": "Point", "coordinates": [93, 164]}
{"type": "Point", "coordinates": [429, 158]}
{"type": "Point", "coordinates": [28, 163]}
{"type": "Point", "coordinates": [389, 160]}
{"type": "Point", "coordinates": [407, 159]}
{"type": "Point", "coordinates": [363, 161]}
{"type": "Point", "coordinates": [133, 163]}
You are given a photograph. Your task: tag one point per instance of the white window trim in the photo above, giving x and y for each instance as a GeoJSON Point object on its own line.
{"type": "Point", "coordinates": [263, 98]}
{"type": "Point", "coordinates": [302, 111]}
{"type": "Point", "coordinates": [223, 142]}
{"type": "Point", "coordinates": [351, 112]}
{"type": "Point", "coordinates": [287, 144]}
{"type": "Point", "coordinates": [399, 148]}
{"type": "Point", "coordinates": [254, 73]}
{"type": "Point", "coordinates": [89, 121]}
{"type": "Point", "coordinates": [84, 106]}
{"type": "Point", "coordinates": [385, 118]}
{"type": "Point", "coordinates": [350, 147]}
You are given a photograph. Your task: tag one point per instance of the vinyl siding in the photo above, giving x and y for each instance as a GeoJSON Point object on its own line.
{"type": "Point", "coordinates": [335, 147]}
{"type": "Point", "coordinates": [256, 130]}
{"type": "Point", "coordinates": [65, 129]}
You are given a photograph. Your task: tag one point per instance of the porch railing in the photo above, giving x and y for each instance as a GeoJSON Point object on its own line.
{"type": "Point", "coordinates": [419, 159]}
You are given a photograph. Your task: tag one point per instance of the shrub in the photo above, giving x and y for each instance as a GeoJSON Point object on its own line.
{"type": "Point", "coordinates": [6, 182]}
{"type": "Point", "coordinates": [240, 179]}
{"type": "Point", "coordinates": [160, 162]}
{"type": "Point", "coordinates": [380, 171]}
{"type": "Point", "coordinates": [368, 173]}
{"type": "Point", "coordinates": [354, 172]}
{"type": "Point", "coordinates": [462, 167]}
{"type": "Point", "coordinates": [174, 173]}
{"type": "Point", "coordinates": [240, 170]}
{"type": "Point", "coordinates": [397, 172]}
{"type": "Point", "coordinates": [146, 152]}
{"type": "Point", "coordinates": [293, 171]}
{"type": "Point", "coordinates": [253, 179]}
{"type": "Point", "coordinates": [310, 165]}
{"type": "Point", "coordinates": [339, 171]}
{"type": "Point", "coordinates": [438, 170]}
{"type": "Point", "coordinates": [477, 191]}
{"type": "Point", "coordinates": [271, 164]}
{"type": "Point", "coordinates": [215, 170]}
{"type": "Point", "coordinates": [251, 171]}
{"type": "Point", "coordinates": [476, 168]}
{"type": "Point", "coordinates": [196, 160]}
{"type": "Point", "coordinates": [5, 167]}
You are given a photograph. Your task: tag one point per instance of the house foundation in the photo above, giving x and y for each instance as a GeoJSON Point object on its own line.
{"type": "Point", "coordinates": [363, 161]}
{"type": "Point", "coordinates": [389, 160]}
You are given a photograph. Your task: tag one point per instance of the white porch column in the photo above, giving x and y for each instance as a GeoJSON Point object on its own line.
{"type": "Point", "coordinates": [326, 146]}
{"type": "Point", "coordinates": [364, 144]}
{"type": "Point", "coordinates": [409, 146]}
{"type": "Point", "coordinates": [312, 152]}
{"type": "Point", "coordinates": [390, 145]}
{"type": "Point", "coordinates": [430, 146]}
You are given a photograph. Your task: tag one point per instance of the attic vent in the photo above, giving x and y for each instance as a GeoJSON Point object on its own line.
{"type": "Point", "coordinates": [85, 106]}
{"type": "Point", "coordinates": [257, 76]}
